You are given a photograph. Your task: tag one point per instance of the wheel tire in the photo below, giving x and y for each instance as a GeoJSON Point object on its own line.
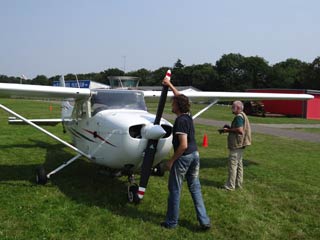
{"type": "Point", "coordinates": [133, 194]}
{"type": "Point", "coordinates": [41, 175]}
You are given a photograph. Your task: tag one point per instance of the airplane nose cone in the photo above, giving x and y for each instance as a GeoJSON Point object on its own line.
{"type": "Point", "coordinates": [152, 132]}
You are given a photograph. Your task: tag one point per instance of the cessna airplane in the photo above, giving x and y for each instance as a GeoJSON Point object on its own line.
{"type": "Point", "coordinates": [112, 127]}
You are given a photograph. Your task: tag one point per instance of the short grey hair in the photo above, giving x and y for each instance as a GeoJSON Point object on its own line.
{"type": "Point", "coordinates": [239, 104]}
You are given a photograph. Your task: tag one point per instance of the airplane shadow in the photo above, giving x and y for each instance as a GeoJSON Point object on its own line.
{"type": "Point", "coordinates": [81, 182]}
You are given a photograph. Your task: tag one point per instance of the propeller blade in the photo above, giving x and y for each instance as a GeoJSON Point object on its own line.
{"type": "Point", "coordinates": [152, 144]}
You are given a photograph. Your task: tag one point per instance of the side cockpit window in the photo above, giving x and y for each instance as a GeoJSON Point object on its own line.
{"type": "Point", "coordinates": [80, 110]}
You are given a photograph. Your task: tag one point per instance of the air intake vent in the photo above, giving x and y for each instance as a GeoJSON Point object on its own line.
{"type": "Point", "coordinates": [168, 130]}
{"type": "Point", "coordinates": [135, 131]}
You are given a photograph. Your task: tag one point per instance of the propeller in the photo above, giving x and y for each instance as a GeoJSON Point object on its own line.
{"type": "Point", "coordinates": [152, 144]}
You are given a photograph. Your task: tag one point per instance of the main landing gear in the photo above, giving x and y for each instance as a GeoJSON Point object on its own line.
{"type": "Point", "coordinates": [41, 175]}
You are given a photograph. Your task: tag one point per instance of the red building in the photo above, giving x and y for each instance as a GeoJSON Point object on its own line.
{"type": "Point", "coordinates": [309, 109]}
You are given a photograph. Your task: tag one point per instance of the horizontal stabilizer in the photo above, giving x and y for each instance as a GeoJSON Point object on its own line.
{"type": "Point", "coordinates": [43, 122]}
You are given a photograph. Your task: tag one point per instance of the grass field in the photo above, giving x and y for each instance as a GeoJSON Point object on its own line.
{"type": "Point", "coordinates": [280, 199]}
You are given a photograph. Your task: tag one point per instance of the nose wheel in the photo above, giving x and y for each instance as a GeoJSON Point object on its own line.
{"type": "Point", "coordinates": [133, 194]}
{"type": "Point", "coordinates": [133, 190]}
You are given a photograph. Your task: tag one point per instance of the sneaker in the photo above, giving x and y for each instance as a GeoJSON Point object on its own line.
{"type": "Point", "coordinates": [225, 187]}
{"type": "Point", "coordinates": [166, 225]}
{"type": "Point", "coordinates": [205, 227]}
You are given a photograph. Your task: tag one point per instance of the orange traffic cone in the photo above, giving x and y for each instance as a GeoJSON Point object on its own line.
{"type": "Point", "coordinates": [50, 108]}
{"type": "Point", "coordinates": [205, 141]}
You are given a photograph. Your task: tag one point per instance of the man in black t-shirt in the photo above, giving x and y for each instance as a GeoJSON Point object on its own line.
{"type": "Point", "coordinates": [184, 125]}
{"type": "Point", "coordinates": [184, 163]}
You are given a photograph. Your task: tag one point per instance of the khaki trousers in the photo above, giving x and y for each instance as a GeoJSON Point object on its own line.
{"type": "Point", "coordinates": [235, 166]}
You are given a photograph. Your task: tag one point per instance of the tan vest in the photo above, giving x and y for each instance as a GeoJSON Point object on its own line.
{"type": "Point", "coordinates": [236, 140]}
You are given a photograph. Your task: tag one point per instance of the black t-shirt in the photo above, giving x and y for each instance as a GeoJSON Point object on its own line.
{"type": "Point", "coordinates": [184, 125]}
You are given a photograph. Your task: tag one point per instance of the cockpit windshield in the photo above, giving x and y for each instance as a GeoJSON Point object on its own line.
{"type": "Point", "coordinates": [117, 99]}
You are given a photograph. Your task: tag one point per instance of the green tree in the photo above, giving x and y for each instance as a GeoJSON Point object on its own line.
{"type": "Point", "coordinates": [114, 72]}
{"type": "Point", "coordinates": [202, 76]}
{"type": "Point", "coordinates": [157, 76]}
{"type": "Point", "coordinates": [231, 74]}
{"type": "Point", "coordinates": [40, 80]}
{"type": "Point", "coordinates": [255, 73]}
{"type": "Point", "coordinates": [178, 64]}
{"type": "Point", "coordinates": [288, 74]}
{"type": "Point", "coordinates": [311, 76]}
{"type": "Point", "coordinates": [178, 75]}
{"type": "Point", "coordinates": [6, 79]}
{"type": "Point", "coordinates": [143, 74]}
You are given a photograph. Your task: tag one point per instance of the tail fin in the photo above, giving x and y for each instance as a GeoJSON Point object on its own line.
{"type": "Point", "coordinates": [66, 107]}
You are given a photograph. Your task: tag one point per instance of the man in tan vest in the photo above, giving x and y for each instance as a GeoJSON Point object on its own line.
{"type": "Point", "coordinates": [239, 136]}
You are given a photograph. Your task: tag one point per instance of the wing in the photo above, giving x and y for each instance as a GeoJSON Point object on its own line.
{"type": "Point", "coordinates": [38, 91]}
{"type": "Point", "coordinates": [229, 96]}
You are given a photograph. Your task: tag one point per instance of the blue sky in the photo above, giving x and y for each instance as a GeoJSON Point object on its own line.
{"type": "Point", "coordinates": [82, 36]}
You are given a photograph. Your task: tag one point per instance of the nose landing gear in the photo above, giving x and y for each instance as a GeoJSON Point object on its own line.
{"type": "Point", "coordinates": [133, 190]}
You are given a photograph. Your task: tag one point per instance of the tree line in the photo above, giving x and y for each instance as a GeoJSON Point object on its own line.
{"type": "Point", "coordinates": [232, 72]}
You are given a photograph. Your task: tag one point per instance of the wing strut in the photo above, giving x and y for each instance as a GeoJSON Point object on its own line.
{"type": "Point", "coordinates": [45, 131]}
{"type": "Point", "coordinates": [205, 109]}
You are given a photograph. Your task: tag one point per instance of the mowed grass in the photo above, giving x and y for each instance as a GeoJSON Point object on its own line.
{"type": "Point", "coordinates": [280, 199]}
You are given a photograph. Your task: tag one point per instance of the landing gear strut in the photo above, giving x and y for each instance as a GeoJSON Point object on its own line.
{"type": "Point", "coordinates": [133, 190]}
{"type": "Point", "coordinates": [41, 175]}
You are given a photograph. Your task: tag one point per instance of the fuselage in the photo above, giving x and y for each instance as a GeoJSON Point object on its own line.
{"type": "Point", "coordinates": [113, 128]}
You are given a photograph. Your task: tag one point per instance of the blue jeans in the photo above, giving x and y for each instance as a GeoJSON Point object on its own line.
{"type": "Point", "coordinates": [185, 166]}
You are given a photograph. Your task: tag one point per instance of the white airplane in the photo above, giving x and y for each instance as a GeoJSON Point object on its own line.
{"type": "Point", "coordinates": [113, 128]}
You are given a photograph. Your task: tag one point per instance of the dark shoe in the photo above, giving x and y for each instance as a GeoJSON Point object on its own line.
{"type": "Point", "coordinates": [166, 225]}
{"type": "Point", "coordinates": [205, 227]}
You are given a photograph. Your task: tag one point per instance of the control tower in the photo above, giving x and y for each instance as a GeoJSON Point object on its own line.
{"type": "Point", "coordinates": [124, 82]}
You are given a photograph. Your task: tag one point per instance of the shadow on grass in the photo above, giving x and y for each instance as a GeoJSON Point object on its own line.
{"type": "Point", "coordinates": [83, 183]}
{"type": "Point", "coordinates": [219, 163]}
{"type": "Point", "coordinates": [17, 172]}
{"type": "Point", "coordinates": [222, 162]}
